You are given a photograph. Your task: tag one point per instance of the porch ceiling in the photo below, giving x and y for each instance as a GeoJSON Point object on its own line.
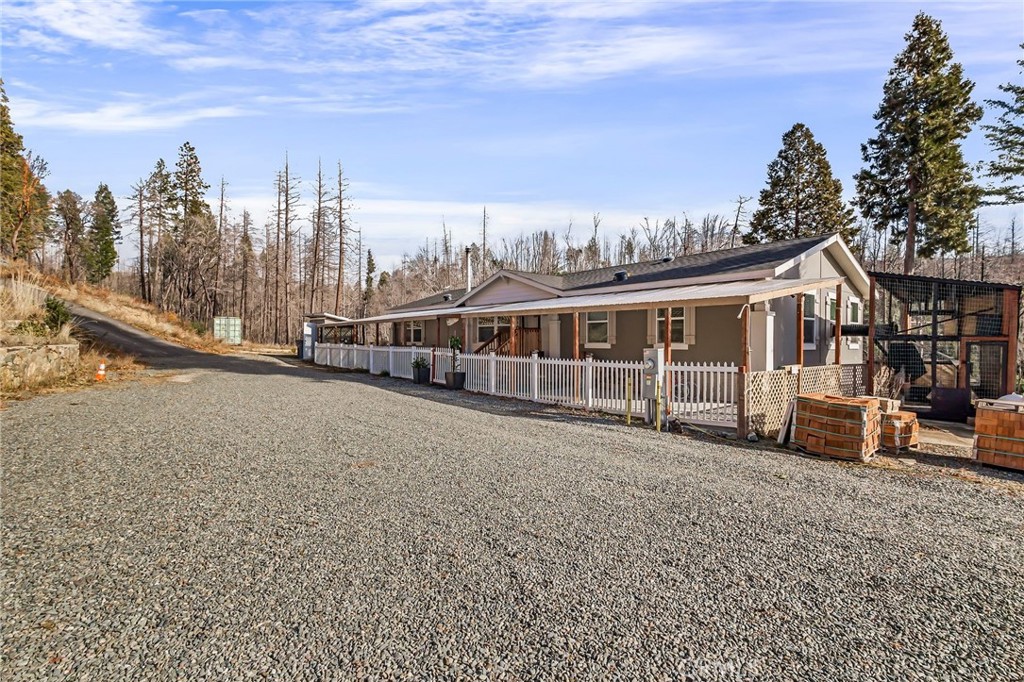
{"type": "Point", "coordinates": [698, 295]}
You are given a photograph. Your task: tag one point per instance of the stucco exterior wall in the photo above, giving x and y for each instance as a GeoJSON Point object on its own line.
{"type": "Point", "coordinates": [818, 266]}
{"type": "Point", "coordinates": [717, 331]}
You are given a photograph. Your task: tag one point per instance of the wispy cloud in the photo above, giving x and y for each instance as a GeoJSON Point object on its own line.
{"type": "Point", "coordinates": [117, 117]}
{"type": "Point", "coordinates": [112, 24]}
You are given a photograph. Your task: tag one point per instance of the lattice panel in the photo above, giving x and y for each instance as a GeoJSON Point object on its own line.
{"type": "Point", "coordinates": [825, 379]}
{"type": "Point", "coordinates": [768, 394]}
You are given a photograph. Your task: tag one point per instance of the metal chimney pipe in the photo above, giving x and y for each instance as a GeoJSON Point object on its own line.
{"type": "Point", "coordinates": [469, 271]}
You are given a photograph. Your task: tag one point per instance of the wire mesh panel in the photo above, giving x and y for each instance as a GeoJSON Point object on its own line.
{"type": "Point", "coordinates": [947, 342]}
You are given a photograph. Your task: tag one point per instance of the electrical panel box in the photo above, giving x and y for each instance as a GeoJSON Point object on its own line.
{"type": "Point", "coordinates": [654, 371]}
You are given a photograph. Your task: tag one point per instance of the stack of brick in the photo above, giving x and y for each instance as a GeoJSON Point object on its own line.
{"type": "Point", "coordinates": [899, 430]}
{"type": "Point", "coordinates": [999, 433]}
{"type": "Point", "coordinates": [834, 426]}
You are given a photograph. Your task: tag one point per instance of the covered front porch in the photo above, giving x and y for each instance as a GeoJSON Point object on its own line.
{"type": "Point", "coordinates": [733, 323]}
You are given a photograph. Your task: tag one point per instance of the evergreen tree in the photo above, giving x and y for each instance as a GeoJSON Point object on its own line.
{"type": "Point", "coordinates": [188, 184]}
{"type": "Point", "coordinates": [371, 267]}
{"type": "Point", "coordinates": [916, 182]}
{"type": "Point", "coordinates": [68, 209]}
{"type": "Point", "coordinates": [802, 198]}
{"type": "Point", "coordinates": [1006, 138]}
{"type": "Point", "coordinates": [24, 201]}
{"type": "Point", "coordinates": [104, 232]}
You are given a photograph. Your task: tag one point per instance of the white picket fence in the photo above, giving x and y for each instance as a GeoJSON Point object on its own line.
{"type": "Point", "coordinates": [703, 393]}
{"type": "Point", "coordinates": [700, 394]}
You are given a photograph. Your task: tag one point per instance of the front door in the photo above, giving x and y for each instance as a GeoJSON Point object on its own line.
{"type": "Point", "coordinates": [986, 369]}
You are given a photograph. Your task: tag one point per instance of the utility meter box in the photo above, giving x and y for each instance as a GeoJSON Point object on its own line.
{"type": "Point", "coordinates": [654, 371]}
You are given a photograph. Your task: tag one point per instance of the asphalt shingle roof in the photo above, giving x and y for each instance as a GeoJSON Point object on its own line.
{"type": "Point", "coordinates": [742, 259]}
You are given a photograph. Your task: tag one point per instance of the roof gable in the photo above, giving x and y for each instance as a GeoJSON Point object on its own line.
{"type": "Point", "coordinates": [509, 286]}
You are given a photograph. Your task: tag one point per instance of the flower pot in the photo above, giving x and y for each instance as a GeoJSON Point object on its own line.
{"type": "Point", "coordinates": [455, 380]}
{"type": "Point", "coordinates": [421, 375]}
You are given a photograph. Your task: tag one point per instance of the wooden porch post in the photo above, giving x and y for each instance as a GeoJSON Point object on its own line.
{"type": "Point", "coordinates": [513, 332]}
{"type": "Point", "coordinates": [575, 336]}
{"type": "Point", "coordinates": [745, 336]}
{"type": "Point", "coordinates": [466, 348]}
{"type": "Point", "coordinates": [839, 323]}
{"type": "Point", "coordinates": [576, 354]}
{"type": "Point", "coordinates": [1011, 315]}
{"type": "Point", "coordinates": [871, 336]}
{"type": "Point", "coordinates": [668, 360]}
{"type": "Point", "coordinates": [668, 335]}
{"type": "Point", "coordinates": [800, 329]}
{"type": "Point", "coordinates": [376, 333]}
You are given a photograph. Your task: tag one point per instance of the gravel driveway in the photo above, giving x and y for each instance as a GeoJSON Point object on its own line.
{"type": "Point", "coordinates": [254, 519]}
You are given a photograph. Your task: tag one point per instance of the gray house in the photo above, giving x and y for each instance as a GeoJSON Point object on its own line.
{"type": "Point", "coordinates": [760, 306]}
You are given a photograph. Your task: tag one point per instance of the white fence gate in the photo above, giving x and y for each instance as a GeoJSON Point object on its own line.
{"type": "Point", "coordinates": [700, 394]}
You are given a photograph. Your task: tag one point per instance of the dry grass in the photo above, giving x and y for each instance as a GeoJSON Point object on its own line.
{"type": "Point", "coordinates": [127, 309]}
{"type": "Point", "coordinates": [19, 299]}
{"type": "Point", "coordinates": [119, 367]}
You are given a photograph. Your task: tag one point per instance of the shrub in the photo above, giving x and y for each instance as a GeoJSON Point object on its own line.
{"type": "Point", "coordinates": [420, 362]}
{"type": "Point", "coordinates": [57, 313]}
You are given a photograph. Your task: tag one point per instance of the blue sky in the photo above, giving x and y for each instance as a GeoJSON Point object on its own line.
{"type": "Point", "coordinates": [545, 112]}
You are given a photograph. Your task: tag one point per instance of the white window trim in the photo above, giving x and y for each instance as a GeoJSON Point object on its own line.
{"type": "Point", "coordinates": [813, 343]}
{"type": "Point", "coordinates": [611, 331]}
{"type": "Point", "coordinates": [493, 323]}
{"type": "Point", "coordinates": [854, 341]}
{"type": "Point", "coordinates": [689, 328]}
{"type": "Point", "coordinates": [409, 327]}
{"type": "Point", "coordinates": [830, 297]}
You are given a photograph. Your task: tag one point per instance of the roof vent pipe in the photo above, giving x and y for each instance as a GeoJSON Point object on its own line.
{"type": "Point", "coordinates": [621, 276]}
{"type": "Point", "coordinates": [447, 297]}
{"type": "Point", "coordinates": [469, 272]}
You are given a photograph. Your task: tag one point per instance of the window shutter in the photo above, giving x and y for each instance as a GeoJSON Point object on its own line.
{"type": "Point", "coordinates": [611, 327]}
{"type": "Point", "coordinates": [690, 325]}
{"type": "Point", "coordinates": [652, 327]}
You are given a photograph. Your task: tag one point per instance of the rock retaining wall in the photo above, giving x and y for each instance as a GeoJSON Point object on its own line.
{"type": "Point", "coordinates": [25, 366]}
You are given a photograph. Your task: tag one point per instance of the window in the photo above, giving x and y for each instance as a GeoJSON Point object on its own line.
{"type": "Point", "coordinates": [853, 317]}
{"type": "Point", "coordinates": [678, 323]}
{"type": "Point", "coordinates": [597, 330]}
{"type": "Point", "coordinates": [810, 321]}
{"type": "Point", "coordinates": [488, 327]}
{"type": "Point", "coordinates": [414, 333]}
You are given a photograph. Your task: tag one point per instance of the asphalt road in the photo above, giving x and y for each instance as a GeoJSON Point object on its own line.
{"type": "Point", "coordinates": [155, 352]}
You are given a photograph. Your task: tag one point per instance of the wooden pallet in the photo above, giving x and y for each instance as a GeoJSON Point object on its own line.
{"type": "Point", "coordinates": [836, 427]}
{"type": "Point", "coordinates": [999, 434]}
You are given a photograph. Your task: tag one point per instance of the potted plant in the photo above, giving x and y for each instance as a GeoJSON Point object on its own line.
{"type": "Point", "coordinates": [420, 370]}
{"type": "Point", "coordinates": [456, 378]}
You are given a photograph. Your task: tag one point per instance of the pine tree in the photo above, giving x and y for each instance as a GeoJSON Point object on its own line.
{"type": "Point", "coordinates": [103, 233]}
{"type": "Point", "coordinates": [1006, 138]}
{"type": "Point", "coordinates": [68, 209]}
{"type": "Point", "coordinates": [188, 186]}
{"type": "Point", "coordinates": [916, 182]}
{"type": "Point", "coordinates": [802, 198]}
{"type": "Point", "coordinates": [24, 200]}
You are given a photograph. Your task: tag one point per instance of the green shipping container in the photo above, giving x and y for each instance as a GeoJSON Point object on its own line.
{"type": "Point", "coordinates": [228, 329]}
